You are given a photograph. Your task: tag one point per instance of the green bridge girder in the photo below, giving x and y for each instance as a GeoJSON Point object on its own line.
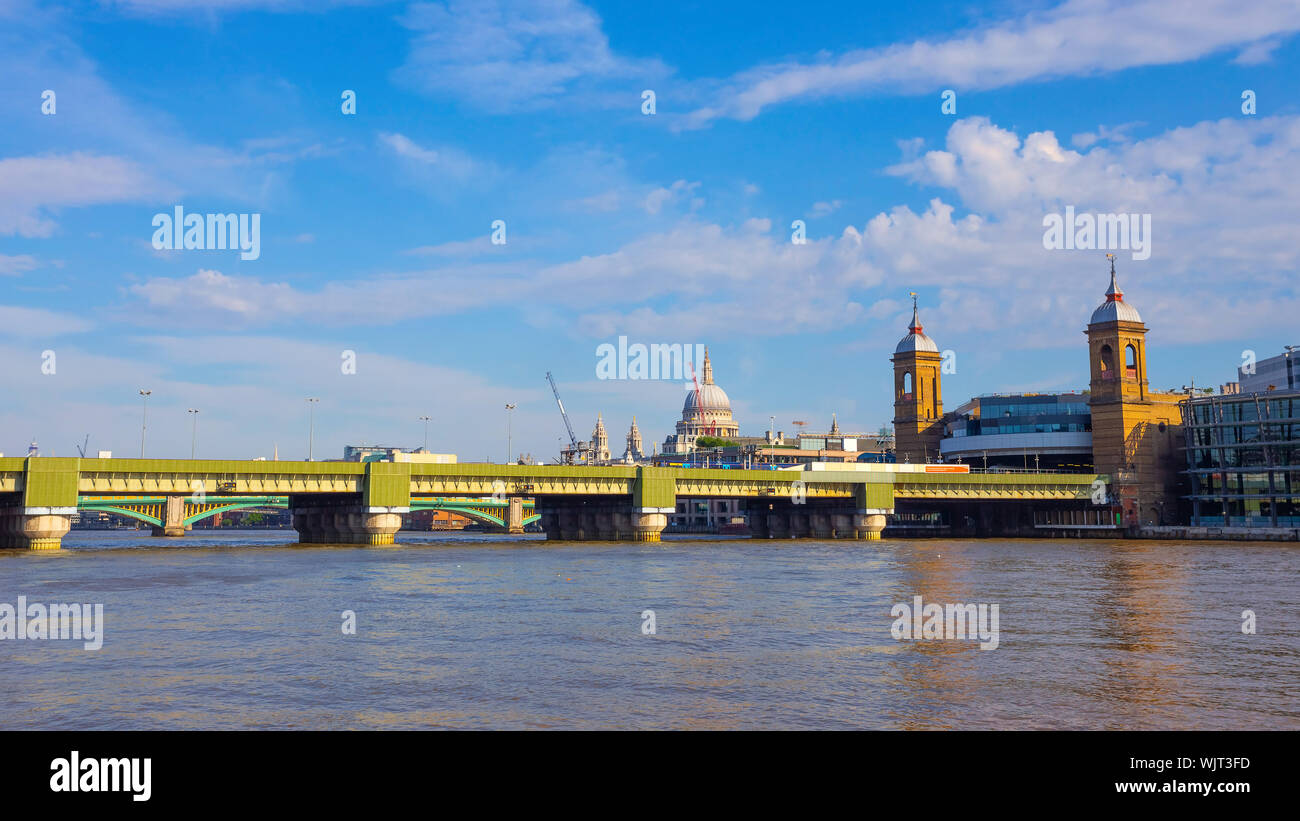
{"type": "Point", "coordinates": [131, 507]}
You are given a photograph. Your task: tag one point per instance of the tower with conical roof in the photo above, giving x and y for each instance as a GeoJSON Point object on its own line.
{"type": "Point", "coordinates": [1117, 346]}
{"type": "Point", "coordinates": [634, 452]}
{"type": "Point", "coordinates": [918, 395]}
{"type": "Point", "coordinates": [1134, 430]}
{"type": "Point", "coordinates": [600, 441]}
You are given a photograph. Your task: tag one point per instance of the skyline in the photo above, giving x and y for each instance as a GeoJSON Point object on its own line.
{"type": "Point", "coordinates": [376, 227]}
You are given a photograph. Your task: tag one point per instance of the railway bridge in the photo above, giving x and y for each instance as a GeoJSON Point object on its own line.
{"type": "Point", "coordinates": [363, 502]}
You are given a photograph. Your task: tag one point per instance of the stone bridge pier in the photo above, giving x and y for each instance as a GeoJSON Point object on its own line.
{"type": "Point", "coordinates": [515, 516]}
{"type": "Point", "coordinates": [328, 521]}
{"type": "Point", "coordinates": [34, 528]}
{"type": "Point", "coordinates": [173, 518]}
{"type": "Point", "coordinates": [593, 520]}
{"type": "Point", "coordinates": [783, 519]}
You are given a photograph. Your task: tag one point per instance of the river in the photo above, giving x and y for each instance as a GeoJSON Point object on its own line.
{"type": "Point", "coordinates": [243, 629]}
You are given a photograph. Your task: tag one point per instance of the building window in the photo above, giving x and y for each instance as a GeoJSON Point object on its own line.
{"type": "Point", "coordinates": [1106, 362]}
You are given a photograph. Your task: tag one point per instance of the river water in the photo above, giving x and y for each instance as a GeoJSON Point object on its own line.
{"type": "Point", "coordinates": [243, 629]}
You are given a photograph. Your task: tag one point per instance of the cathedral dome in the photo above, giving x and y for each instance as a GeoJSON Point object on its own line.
{"type": "Point", "coordinates": [916, 340]}
{"type": "Point", "coordinates": [706, 412]}
{"type": "Point", "coordinates": [1114, 309]}
{"type": "Point", "coordinates": [711, 398]}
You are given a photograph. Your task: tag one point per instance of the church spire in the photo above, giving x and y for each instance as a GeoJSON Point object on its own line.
{"type": "Point", "coordinates": [915, 327]}
{"type": "Point", "coordinates": [708, 368]}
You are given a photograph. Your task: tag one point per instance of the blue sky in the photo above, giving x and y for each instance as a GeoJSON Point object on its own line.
{"type": "Point", "coordinates": [671, 227]}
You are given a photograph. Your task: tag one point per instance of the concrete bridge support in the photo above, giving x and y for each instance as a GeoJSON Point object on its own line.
{"type": "Point", "coordinates": [346, 523]}
{"type": "Point", "coordinates": [570, 520]}
{"type": "Point", "coordinates": [515, 515]}
{"type": "Point", "coordinates": [784, 520]}
{"type": "Point", "coordinates": [173, 518]}
{"type": "Point", "coordinates": [34, 528]}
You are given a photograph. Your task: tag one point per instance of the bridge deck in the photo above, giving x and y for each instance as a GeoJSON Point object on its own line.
{"type": "Point", "coordinates": [52, 481]}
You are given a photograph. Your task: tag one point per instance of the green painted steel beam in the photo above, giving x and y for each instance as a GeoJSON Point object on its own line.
{"type": "Point", "coordinates": [655, 488]}
{"type": "Point", "coordinates": [50, 482]}
{"type": "Point", "coordinates": [132, 514]}
{"type": "Point", "coordinates": [388, 484]}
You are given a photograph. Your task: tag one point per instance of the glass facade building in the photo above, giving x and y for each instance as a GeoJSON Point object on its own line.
{"type": "Point", "coordinates": [1243, 459]}
{"type": "Point", "coordinates": [1050, 431]}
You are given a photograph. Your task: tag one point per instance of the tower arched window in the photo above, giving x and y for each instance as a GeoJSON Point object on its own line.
{"type": "Point", "coordinates": [907, 385]}
{"type": "Point", "coordinates": [1106, 362]}
{"type": "Point", "coordinates": [1130, 362]}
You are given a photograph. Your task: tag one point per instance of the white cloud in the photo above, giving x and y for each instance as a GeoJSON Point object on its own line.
{"type": "Point", "coordinates": [655, 201]}
{"type": "Point", "coordinates": [499, 56]}
{"type": "Point", "coordinates": [444, 160]}
{"type": "Point", "coordinates": [12, 266]}
{"type": "Point", "coordinates": [1075, 38]}
{"type": "Point", "coordinates": [1219, 193]}
{"type": "Point", "coordinates": [257, 402]}
{"type": "Point", "coordinates": [32, 187]}
{"type": "Point", "coordinates": [204, 8]}
{"type": "Point", "coordinates": [822, 209]}
{"type": "Point", "coordinates": [37, 323]}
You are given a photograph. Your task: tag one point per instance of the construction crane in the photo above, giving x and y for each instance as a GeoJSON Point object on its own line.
{"type": "Point", "coordinates": [573, 440]}
{"type": "Point", "coordinates": [82, 447]}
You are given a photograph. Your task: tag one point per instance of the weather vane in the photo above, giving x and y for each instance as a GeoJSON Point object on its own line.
{"type": "Point", "coordinates": [1111, 257]}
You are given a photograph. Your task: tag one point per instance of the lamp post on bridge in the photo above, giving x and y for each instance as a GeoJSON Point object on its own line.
{"type": "Point", "coordinates": [311, 424]}
{"type": "Point", "coordinates": [144, 417]}
{"type": "Point", "coordinates": [509, 419]}
{"type": "Point", "coordinates": [194, 429]}
{"type": "Point", "coordinates": [425, 420]}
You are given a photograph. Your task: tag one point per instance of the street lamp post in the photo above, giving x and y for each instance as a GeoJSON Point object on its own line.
{"type": "Point", "coordinates": [144, 418]}
{"type": "Point", "coordinates": [194, 429]}
{"type": "Point", "coordinates": [311, 424]}
{"type": "Point", "coordinates": [425, 420]}
{"type": "Point", "coordinates": [509, 418]}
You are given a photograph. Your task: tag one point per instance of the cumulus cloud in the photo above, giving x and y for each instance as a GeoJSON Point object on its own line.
{"type": "Point", "coordinates": [1219, 194]}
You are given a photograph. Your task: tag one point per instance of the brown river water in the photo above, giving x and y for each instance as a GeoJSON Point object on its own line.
{"type": "Point", "coordinates": [244, 629]}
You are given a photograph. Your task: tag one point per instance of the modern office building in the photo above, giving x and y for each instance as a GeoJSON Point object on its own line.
{"type": "Point", "coordinates": [1046, 431]}
{"type": "Point", "coordinates": [1243, 459]}
{"type": "Point", "coordinates": [1277, 373]}
{"type": "Point", "coordinates": [386, 453]}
